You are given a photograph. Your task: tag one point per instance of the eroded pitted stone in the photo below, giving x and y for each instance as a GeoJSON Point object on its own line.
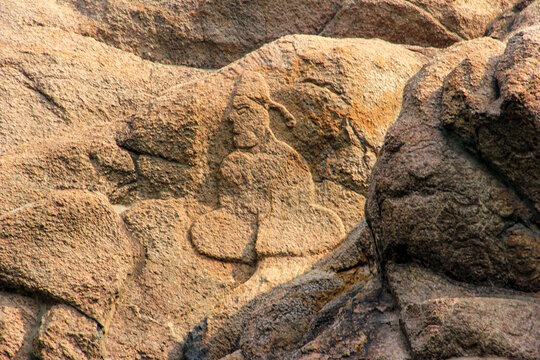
{"type": "Point", "coordinates": [432, 201]}
{"type": "Point", "coordinates": [267, 196]}
{"type": "Point", "coordinates": [436, 23]}
{"type": "Point", "coordinates": [70, 246]}
{"type": "Point", "coordinates": [445, 327]}
{"type": "Point", "coordinates": [67, 334]}
{"type": "Point", "coordinates": [444, 318]}
{"type": "Point", "coordinates": [19, 315]}
{"type": "Point", "coordinates": [215, 33]}
{"type": "Point", "coordinates": [42, 167]}
{"type": "Point", "coordinates": [58, 84]}
{"type": "Point", "coordinates": [175, 287]}
{"type": "Point", "coordinates": [491, 103]}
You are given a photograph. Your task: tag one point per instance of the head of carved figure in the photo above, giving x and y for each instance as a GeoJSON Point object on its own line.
{"type": "Point", "coordinates": [249, 110]}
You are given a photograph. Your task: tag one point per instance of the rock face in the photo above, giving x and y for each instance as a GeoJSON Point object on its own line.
{"type": "Point", "coordinates": [69, 246]}
{"type": "Point", "coordinates": [215, 33]}
{"type": "Point", "coordinates": [40, 168]}
{"type": "Point", "coordinates": [524, 14]}
{"type": "Point", "coordinates": [183, 139]}
{"type": "Point", "coordinates": [444, 318]}
{"type": "Point", "coordinates": [67, 334]}
{"type": "Point", "coordinates": [446, 194]}
{"type": "Point", "coordinates": [56, 83]}
{"type": "Point", "coordinates": [455, 228]}
{"type": "Point", "coordinates": [149, 210]}
{"type": "Point", "coordinates": [418, 22]}
{"type": "Point", "coordinates": [228, 183]}
{"type": "Point", "coordinates": [453, 145]}
{"type": "Point", "coordinates": [323, 314]}
{"type": "Point", "coordinates": [266, 190]}
{"type": "Point", "coordinates": [174, 288]}
{"type": "Point", "coordinates": [18, 317]}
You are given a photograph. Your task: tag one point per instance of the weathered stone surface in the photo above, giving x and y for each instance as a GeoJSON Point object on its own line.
{"type": "Point", "coordinates": [36, 169]}
{"type": "Point", "coordinates": [65, 333]}
{"type": "Point", "coordinates": [445, 327]}
{"type": "Point", "coordinates": [215, 33]}
{"type": "Point", "coordinates": [492, 105]}
{"type": "Point", "coordinates": [427, 186]}
{"type": "Point", "coordinates": [237, 355]}
{"type": "Point", "coordinates": [356, 250]}
{"type": "Point", "coordinates": [174, 288]}
{"type": "Point", "coordinates": [56, 83]}
{"type": "Point", "coordinates": [318, 81]}
{"type": "Point", "coordinates": [272, 322]}
{"type": "Point", "coordinates": [232, 182]}
{"type": "Point", "coordinates": [185, 140]}
{"type": "Point", "coordinates": [266, 191]}
{"type": "Point", "coordinates": [347, 204]}
{"type": "Point", "coordinates": [70, 246]}
{"type": "Point", "coordinates": [523, 14]}
{"type": "Point", "coordinates": [200, 33]}
{"type": "Point", "coordinates": [219, 334]}
{"type": "Point", "coordinates": [444, 318]}
{"type": "Point", "coordinates": [249, 304]}
{"type": "Point", "coordinates": [412, 284]}
{"type": "Point", "coordinates": [312, 318]}
{"type": "Point", "coordinates": [18, 316]}
{"type": "Point", "coordinates": [360, 324]}
{"type": "Point", "coordinates": [418, 22]}
{"type": "Point", "coordinates": [278, 322]}
{"type": "Point", "coordinates": [179, 149]}
{"type": "Point", "coordinates": [477, 358]}
{"type": "Point", "coordinates": [46, 13]}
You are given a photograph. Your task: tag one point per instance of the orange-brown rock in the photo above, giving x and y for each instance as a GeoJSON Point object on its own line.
{"type": "Point", "coordinates": [56, 83]}
{"type": "Point", "coordinates": [177, 149]}
{"type": "Point", "coordinates": [70, 247]}
{"type": "Point", "coordinates": [311, 317]}
{"type": "Point", "coordinates": [37, 168]}
{"type": "Point", "coordinates": [174, 287]}
{"type": "Point", "coordinates": [66, 334]}
{"type": "Point", "coordinates": [19, 315]}
{"type": "Point", "coordinates": [444, 318]}
{"type": "Point", "coordinates": [152, 211]}
{"type": "Point", "coordinates": [215, 33]}
{"type": "Point", "coordinates": [446, 191]}
{"type": "Point", "coordinates": [523, 14]}
{"type": "Point", "coordinates": [337, 130]}
{"type": "Point", "coordinates": [436, 23]}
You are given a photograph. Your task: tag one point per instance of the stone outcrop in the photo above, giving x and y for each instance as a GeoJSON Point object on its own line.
{"type": "Point", "coordinates": [183, 139]}
{"type": "Point", "coordinates": [215, 33]}
{"type": "Point", "coordinates": [67, 334]}
{"type": "Point", "coordinates": [444, 318]}
{"type": "Point", "coordinates": [435, 167]}
{"type": "Point", "coordinates": [38, 168]}
{"type": "Point", "coordinates": [455, 228]}
{"type": "Point", "coordinates": [19, 315]}
{"type": "Point", "coordinates": [71, 246]}
{"type": "Point", "coordinates": [339, 309]}
{"type": "Point", "coordinates": [56, 83]}
{"type": "Point", "coordinates": [523, 14]}
{"type": "Point", "coordinates": [149, 210]}
{"type": "Point", "coordinates": [174, 288]}
{"type": "Point", "coordinates": [270, 143]}
{"type": "Point", "coordinates": [436, 23]}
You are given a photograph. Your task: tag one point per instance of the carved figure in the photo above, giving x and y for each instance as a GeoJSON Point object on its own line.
{"type": "Point", "coordinates": [266, 190]}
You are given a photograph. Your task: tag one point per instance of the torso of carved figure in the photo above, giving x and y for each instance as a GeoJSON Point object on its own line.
{"type": "Point", "coordinates": [258, 179]}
